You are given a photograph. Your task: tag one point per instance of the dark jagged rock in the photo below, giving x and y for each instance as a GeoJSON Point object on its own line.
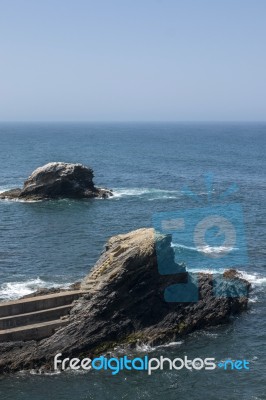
{"type": "Point", "coordinates": [58, 180]}
{"type": "Point", "coordinates": [124, 304]}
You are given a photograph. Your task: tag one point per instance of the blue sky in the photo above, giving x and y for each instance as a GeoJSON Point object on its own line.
{"type": "Point", "coordinates": [125, 60]}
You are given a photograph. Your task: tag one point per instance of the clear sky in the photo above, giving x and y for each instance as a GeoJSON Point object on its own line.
{"type": "Point", "coordinates": [132, 60]}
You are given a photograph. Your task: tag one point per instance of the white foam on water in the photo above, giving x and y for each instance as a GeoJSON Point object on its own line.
{"type": "Point", "coordinates": [21, 201]}
{"type": "Point", "coordinates": [4, 189]}
{"type": "Point", "coordinates": [206, 270]}
{"type": "Point", "coordinates": [210, 334]}
{"type": "Point", "coordinates": [253, 299]}
{"type": "Point", "coordinates": [151, 194]}
{"type": "Point", "coordinates": [146, 348]}
{"type": "Point", "coordinates": [216, 249]}
{"type": "Point", "coordinates": [205, 249]}
{"type": "Point", "coordinates": [15, 290]}
{"type": "Point", "coordinates": [254, 278]}
{"type": "Point", "coordinates": [258, 283]}
{"type": "Point", "coordinates": [123, 192]}
{"type": "Point", "coordinates": [40, 372]}
{"type": "Point", "coordinates": [171, 344]}
{"type": "Point", "coordinates": [257, 280]}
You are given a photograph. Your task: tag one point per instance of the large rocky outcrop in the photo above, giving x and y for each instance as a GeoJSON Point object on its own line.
{"type": "Point", "coordinates": [58, 180]}
{"type": "Point", "coordinates": [125, 304]}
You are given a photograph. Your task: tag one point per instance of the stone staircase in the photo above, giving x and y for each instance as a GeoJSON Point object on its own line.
{"type": "Point", "coordinates": [35, 318]}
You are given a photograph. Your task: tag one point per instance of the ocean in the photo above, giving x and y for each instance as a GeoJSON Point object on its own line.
{"type": "Point", "coordinates": [56, 243]}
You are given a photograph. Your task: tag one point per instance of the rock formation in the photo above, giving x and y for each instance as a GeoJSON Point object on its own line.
{"type": "Point", "coordinates": [58, 180]}
{"type": "Point", "coordinates": [124, 304]}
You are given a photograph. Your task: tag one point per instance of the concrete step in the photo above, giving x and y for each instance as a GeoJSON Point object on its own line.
{"type": "Point", "coordinates": [34, 317]}
{"type": "Point", "coordinates": [38, 303]}
{"type": "Point", "coordinates": [32, 332]}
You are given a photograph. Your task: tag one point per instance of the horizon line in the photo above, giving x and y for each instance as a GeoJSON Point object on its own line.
{"type": "Point", "coordinates": [132, 121]}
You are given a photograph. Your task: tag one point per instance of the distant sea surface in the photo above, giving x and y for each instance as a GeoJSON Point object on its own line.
{"type": "Point", "coordinates": [55, 243]}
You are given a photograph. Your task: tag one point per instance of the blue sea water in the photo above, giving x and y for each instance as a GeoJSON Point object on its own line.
{"type": "Point", "coordinates": [56, 243]}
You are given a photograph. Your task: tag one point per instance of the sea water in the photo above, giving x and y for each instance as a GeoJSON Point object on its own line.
{"type": "Point", "coordinates": [55, 243]}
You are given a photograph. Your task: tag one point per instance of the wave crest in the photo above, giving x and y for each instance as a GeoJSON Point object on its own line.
{"type": "Point", "coordinates": [146, 193]}
{"type": "Point", "coordinates": [15, 290]}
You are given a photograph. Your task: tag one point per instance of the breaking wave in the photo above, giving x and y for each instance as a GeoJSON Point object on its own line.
{"type": "Point", "coordinates": [205, 249]}
{"type": "Point", "coordinates": [146, 193]}
{"type": "Point", "coordinates": [14, 290]}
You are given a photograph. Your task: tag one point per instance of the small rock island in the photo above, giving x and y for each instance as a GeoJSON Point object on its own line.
{"type": "Point", "coordinates": [57, 180]}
